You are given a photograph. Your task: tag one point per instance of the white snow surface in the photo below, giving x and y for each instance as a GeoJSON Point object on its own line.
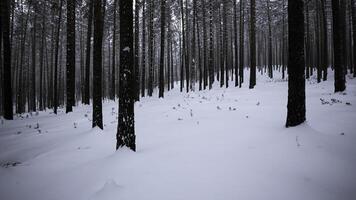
{"type": "Point", "coordinates": [223, 144]}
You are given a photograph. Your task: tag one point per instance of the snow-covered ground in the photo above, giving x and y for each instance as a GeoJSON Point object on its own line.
{"type": "Point", "coordinates": [224, 144]}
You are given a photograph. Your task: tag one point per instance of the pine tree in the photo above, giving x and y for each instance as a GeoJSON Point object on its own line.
{"type": "Point", "coordinates": [42, 60]}
{"type": "Point", "coordinates": [161, 66]}
{"type": "Point", "coordinates": [205, 37]}
{"type": "Point", "coordinates": [5, 32]}
{"type": "Point", "coordinates": [70, 67]}
{"type": "Point", "coordinates": [296, 64]}
{"type": "Point", "coordinates": [143, 76]}
{"type": "Point", "coordinates": [236, 66]}
{"type": "Point", "coordinates": [242, 48]}
{"type": "Point", "coordinates": [88, 53]}
{"type": "Point", "coordinates": [137, 57]}
{"type": "Point", "coordinates": [324, 40]}
{"type": "Point", "coordinates": [338, 47]}
{"type": "Point", "coordinates": [211, 46]}
{"type": "Point", "coordinates": [150, 50]}
{"type": "Point", "coordinates": [55, 81]}
{"type": "Point", "coordinates": [32, 101]}
{"type": "Point", "coordinates": [97, 65]}
{"type": "Point", "coordinates": [126, 125]}
{"type": "Point", "coordinates": [113, 70]}
{"type": "Point", "coordinates": [270, 69]}
{"type": "Point", "coordinates": [252, 44]}
{"type": "Point", "coordinates": [353, 10]}
{"type": "Point", "coordinates": [193, 49]}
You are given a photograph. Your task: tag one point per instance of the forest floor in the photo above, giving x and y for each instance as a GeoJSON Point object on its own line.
{"type": "Point", "coordinates": [223, 144]}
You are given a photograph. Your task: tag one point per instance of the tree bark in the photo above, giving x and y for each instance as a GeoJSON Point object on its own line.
{"type": "Point", "coordinates": [252, 44]}
{"type": "Point", "coordinates": [88, 53]}
{"type": "Point", "coordinates": [137, 46]}
{"type": "Point", "coordinates": [242, 40]}
{"type": "Point", "coordinates": [353, 10]}
{"type": "Point", "coordinates": [161, 66]}
{"type": "Point", "coordinates": [7, 87]}
{"type": "Point", "coordinates": [55, 81]}
{"type": "Point", "coordinates": [126, 125]}
{"type": "Point", "coordinates": [97, 65]}
{"type": "Point", "coordinates": [143, 76]}
{"type": "Point", "coordinates": [339, 83]}
{"type": "Point", "coordinates": [296, 64]}
{"type": "Point", "coordinates": [70, 65]}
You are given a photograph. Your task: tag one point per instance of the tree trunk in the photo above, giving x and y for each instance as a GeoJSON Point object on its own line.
{"type": "Point", "coordinates": [87, 54]}
{"type": "Point", "coordinates": [325, 40]}
{"type": "Point", "coordinates": [270, 69]}
{"type": "Point", "coordinates": [225, 44]}
{"type": "Point", "coordinates": [70, 66]}
{"type": "Point", "coordinates": [143, 76]}
{"type": "Point", "coordinates": [137, 46]}
{"type": "Point", "coordinates": [161, 66]}
{"type": "Point", "coordinates": [113, 70]}
{"type": "Point", "coordinates": [97, 65]}
{"type": "Point", "coordinates": [7, 88]}
{"type": "Point", "coordinates": [151, 53]}
{"type": "Point", "coordinates": [55, 84]}
{"type": "Point", "coordinates": [194, 56]}
{"type": "Point", "coordinates": [183, 49]}
{"type": "Point", "coordinates": [236, 66]}
{"type": "Point", "coordinates": [126, 125]}
{"type": "Point", "coordinates": [338, 47]}
{"type": "Point", "coordinates": [353, 10]}
{"type": "Point", "coordinates": [242, 40]}
{"type": "Point", "coordinates": [296, 64]}
{"type": "Point", "coordinates": [33, 63]}
{"type": "Point", "coordinates": [252, 44]}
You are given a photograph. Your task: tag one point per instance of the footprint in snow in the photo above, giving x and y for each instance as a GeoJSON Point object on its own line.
{"type": "Point", "coordinates": [110, 190]}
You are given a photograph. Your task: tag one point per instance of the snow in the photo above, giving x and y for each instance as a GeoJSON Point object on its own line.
{"type": "Point", "coordinates": [221, 144]}
{"type": "Point", "coordinates": [126, 49]}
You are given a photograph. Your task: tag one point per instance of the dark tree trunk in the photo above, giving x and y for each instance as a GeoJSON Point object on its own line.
{"type": "Point", "coordinates": [225, 44]}
{"type": "Point", "coordinates": [325, 40]}
{"type": "Point", "coordinates": [33, 63]}
{"type": "Point", "coordinates": [253, 44]}
{"type": "Point", "coordinates": [338, 47]}
{"type": "Point", "coordinates": [221, 47]}
{"type": "Point", "coordinates": [211, 46]}
{"type": "Point", "coordinates": [70, 66]}
{"type": "Point", "coordinates": [242, 32]}
{"type": "Point", "coordinates": [236, 66]}
{"type": "Point", "coordinates": [126, 125]}
{"type": "Point", "coordinates": [296, 64]}
{"type": "Point", "coordinates": [7, 88]}
{"type": "Point", "coordinates": [55, 84]}
{"type": "Point", "coordinates": [307, 43]}
{"type": "Point", "coordinates": [151, 53]}
{"type": "Point", "coordinates": [199, 59]}
{"type": "Point", "coordinates": [87, 54]}
{"type": "Point", "coordinates": [343, 41]}
{"type": "Point", "coordinates": [194, 54]}
{"type": "Point", "coordinates": [186, 58]}
{"type": "Point", "coordinates": [137, 46]}
{"type": "Point", "coordinates": [317, 41]}
{"type": "Point", "coordinates": [283, 41]}
{"type": "Point", "coordinates": [183, 49]}
{"type": "Point", "coordinates": [270, 69]}
{"type": "Point", "coordinates": [161, 65]}
{"type": "Point", "coordinates": [41, 100]}
{"type": "Point", "coordinates": [143, 76]}
{"type": "Point", "coordinates": [353, 10]}
{"type": "Point", "coordinates": [113, 70]}
{"type": "Point", "coordinates": [97, 65]}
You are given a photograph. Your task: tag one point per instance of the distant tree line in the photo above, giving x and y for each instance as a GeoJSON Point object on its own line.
{"type": "Point", "coordinates": [57, 53]}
